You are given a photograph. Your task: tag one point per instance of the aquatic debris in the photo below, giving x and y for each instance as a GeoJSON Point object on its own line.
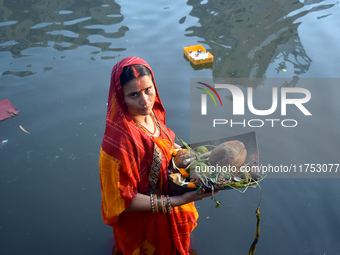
{"type": "Point", "coordinates": [24, 129]}
{"type": "Point", "coordinates": [258, 225]}
{"type": "Point", "coordinates": [197, 54]}
{"type": "Point", "coordinates": [3, 143]}
{"type": "Point", "coordinates": [7, 110]}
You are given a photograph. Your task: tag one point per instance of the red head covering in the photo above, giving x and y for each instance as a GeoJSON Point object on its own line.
{"type": "Point", "coordinates": [117, 109]}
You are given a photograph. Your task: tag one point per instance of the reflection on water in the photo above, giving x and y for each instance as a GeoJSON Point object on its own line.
{"type": "Point", "coordinates": [63, 25]}
{"type": "Point", "coordinates": [246, 36]}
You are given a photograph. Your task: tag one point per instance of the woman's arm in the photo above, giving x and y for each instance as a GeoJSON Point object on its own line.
{"type": "Point", "coordinates": [142, 202]}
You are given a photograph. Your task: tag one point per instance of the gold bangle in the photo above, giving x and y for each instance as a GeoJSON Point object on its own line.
{"type": "Point", "coordinates": [152, 200]}
{"type": "Point", "coordinates": [156, 203]}
{"type": "Point", "coordinates": [169, 204]}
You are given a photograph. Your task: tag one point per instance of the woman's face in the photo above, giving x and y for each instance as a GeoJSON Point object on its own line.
{"type": "Point", "coordinates": [139, 95]}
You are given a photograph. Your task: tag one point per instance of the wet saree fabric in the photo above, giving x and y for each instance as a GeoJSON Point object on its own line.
{"type": "Point", "coordinates": [125, 161]}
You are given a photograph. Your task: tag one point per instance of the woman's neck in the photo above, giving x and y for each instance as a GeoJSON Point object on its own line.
{"type": "Point", "coordinates": [148, 124]}
{"type": "Point", "coordinates": [143, 120]}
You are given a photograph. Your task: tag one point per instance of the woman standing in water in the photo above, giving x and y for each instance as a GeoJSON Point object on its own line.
{"type": "Point", "coordinates": [134, 161]}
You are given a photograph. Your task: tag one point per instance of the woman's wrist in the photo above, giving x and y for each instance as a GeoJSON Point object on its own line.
{"type": "Point", "coordinates": [177, 200]}
{"type": "Point", "coordinates": [160, 203]}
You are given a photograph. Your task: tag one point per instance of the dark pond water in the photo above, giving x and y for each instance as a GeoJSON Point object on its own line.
{"type": "Point", "coordinates": [55, 63]}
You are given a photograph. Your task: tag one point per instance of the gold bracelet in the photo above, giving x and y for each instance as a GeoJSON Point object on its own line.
{"type": "Point", "coordinates": [152, 200]}
{"type": "Point", "coordinates": [156, 204]}
{"type": "Point", "coordinates": [169, 204]}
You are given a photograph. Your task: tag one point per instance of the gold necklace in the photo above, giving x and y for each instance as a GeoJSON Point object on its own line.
{"type": "Point", "coordinates": [145, 129]}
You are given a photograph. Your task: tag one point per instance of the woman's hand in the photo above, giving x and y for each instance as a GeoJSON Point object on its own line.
{"type": "Point", "coordinates": [190, 197]}
{"type": "Point", "coordinates": [177, 146]}
{"type": "Point", "coordinates": [141, 202]}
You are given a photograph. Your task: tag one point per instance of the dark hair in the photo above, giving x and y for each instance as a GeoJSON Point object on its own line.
{"type": "Point", "coordinates": [132, 72]}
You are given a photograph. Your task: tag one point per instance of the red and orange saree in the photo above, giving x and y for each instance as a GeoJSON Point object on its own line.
{"type": "Point", "coordinates": [126, 157]}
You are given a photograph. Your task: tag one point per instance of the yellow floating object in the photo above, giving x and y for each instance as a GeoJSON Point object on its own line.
{"type": "Point", "coordinates": [24, 129]}
{"type": "Point", "coordinates": [198, 55]}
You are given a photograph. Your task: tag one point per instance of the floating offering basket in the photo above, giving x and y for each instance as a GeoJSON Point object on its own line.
{"type": "Point", "coordinates": [198, 55]}
{"type": "Point", "coordinates": [229, 163]}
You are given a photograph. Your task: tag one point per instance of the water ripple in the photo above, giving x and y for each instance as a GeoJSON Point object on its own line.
{"type": "Point", "coordinates": [63, 12]}
{"type": "Point", "coordinates": [60, 25]}
{"type": "Point", "coordinates": [41, 25]}
{"type": "Point", "coordinates": [72, 22]}
{"type": "Point", "coordinates": [36, 25]}
{"type": "Point", "coordinates": [65, 33]}
{"type": "Point", "coordinates": [252, 34]}
{"type": "Point", "coordinates": [8, 23]}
